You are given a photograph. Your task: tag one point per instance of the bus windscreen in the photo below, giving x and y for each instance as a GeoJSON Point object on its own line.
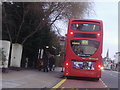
{"type": "Point", "coordinates": [84, 48]}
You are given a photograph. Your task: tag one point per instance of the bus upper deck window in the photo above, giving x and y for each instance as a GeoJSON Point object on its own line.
{"type": "Point", "coordinates": [77, 26]}
{"type": "Point", "coordinates": [85, 27]}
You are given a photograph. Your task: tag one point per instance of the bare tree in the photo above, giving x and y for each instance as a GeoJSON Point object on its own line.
{"type": "Point", "coordinates": [39, 15]}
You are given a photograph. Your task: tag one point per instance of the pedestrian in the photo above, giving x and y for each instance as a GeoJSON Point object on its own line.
{"type": "Point", "coordinates": [51, 63]}
{"type": "Point", "coordinates": [45, 62]}
{"type": "Point", "coordinates": [40, 64]}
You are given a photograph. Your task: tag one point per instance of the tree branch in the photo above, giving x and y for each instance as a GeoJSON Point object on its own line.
{"type": "Point", "coordinates": [21, 25]}
{"type": "Point", "coordinates": [35, 31]}
{"type": "Point", "coordinates": [56, 18]}
{"type": "Point", "coordinates": [57, 30]}
{"type": "Point", "coordinates": [7, 24]}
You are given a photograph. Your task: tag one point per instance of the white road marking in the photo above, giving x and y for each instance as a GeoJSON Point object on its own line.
{"type": "Point", "coordinates": [103, 83]}
{"type": "Point", "coordinates": [115, 71]}
{"type": "Point", "coordinates": [113, 75]}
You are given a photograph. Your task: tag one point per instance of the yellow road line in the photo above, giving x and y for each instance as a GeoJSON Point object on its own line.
{"type": "Point", "coordinates": [60, 83]}
{"type": "Point", "coordinates": [77, 89]}
{"type": "Point", "coordinates": [62, 88]}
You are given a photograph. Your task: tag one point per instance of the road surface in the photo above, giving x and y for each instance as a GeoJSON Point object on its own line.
{"type": "Point", "coordinates": [54, 79]}
{"type": "Point", "coordinates": [109, 80]}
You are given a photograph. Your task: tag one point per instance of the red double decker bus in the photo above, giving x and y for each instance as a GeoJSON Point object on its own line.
{"type": "Point", "coordinates": [84, 48]}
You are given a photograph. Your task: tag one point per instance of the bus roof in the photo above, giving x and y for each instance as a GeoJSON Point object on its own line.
{"type": "Point", "coordinates": [86, 20]}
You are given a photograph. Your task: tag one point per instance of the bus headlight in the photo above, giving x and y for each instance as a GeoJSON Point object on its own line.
{"type": "Point", "coordinates": [102, 68]}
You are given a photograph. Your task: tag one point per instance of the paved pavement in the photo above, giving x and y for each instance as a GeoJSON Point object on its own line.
{"type": "Point", "coordinates": [31, 78]}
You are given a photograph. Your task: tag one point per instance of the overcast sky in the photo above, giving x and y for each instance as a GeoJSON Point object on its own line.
{"type": "Point", "coordinates": [108, 13]}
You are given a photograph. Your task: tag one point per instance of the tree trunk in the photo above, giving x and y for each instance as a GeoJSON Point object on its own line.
{"type": "Point", "coordinates": [16, 55]}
